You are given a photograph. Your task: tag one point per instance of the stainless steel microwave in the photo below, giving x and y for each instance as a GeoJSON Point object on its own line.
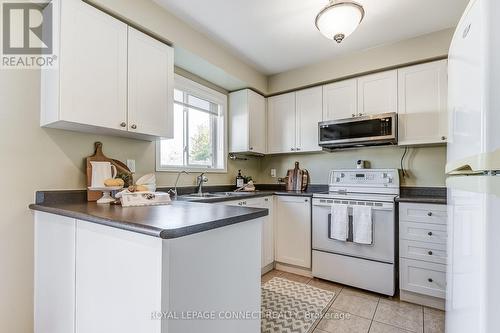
{"type": "Point", "coordinates": [370, 130]}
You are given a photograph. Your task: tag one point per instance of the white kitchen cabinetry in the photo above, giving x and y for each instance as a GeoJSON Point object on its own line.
{"type": "Point", "coordinates": [100, 84]}
{"type": "Point", "coordinates": [293, 121]}
{"type": "Point", "coordinates": [247, 122]}
{"type": "Point", "coordinates": [340, 100]}
{"type": "Point", "coordinates": [422, 252]}
{"type": "Point", "coordinates": [378, 93]}
{"type": "Point", "coordinates": [423, 93]}
{"type": "Point", "coordinates": [293, 230]}
{"type": "Point", "coordinates": [267, 224]}
{"type": "Point", "coordinates": [309, 112]}
{"type": "Point", "coordinates": [150, 85]}
{"type": "Point", "coordinates": [281, 123]}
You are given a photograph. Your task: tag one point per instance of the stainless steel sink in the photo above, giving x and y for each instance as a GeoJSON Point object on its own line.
{"type": "Point", "coordinates": [199, 196]}
{"type": "Point", "coordinates": [230, 194]}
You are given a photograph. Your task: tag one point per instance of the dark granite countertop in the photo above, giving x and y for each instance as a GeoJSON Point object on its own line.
{"type": "Point", "coordinates": [430, 195]}
{"type": "Point", "coordinates": [180, 218]}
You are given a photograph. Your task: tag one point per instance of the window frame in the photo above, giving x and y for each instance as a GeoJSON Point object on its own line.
{"type": "Point", "coordinates": [198, 90]}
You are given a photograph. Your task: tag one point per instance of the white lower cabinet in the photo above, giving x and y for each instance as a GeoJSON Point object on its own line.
{"type": "Point", "coordinates": [293, 230]}
{"type": "Point", "coordinates": [267, 225]}
{"type": "Point", "coordinates": [422, 253]}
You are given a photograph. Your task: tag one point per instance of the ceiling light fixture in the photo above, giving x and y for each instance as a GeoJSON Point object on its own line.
{"type": "Point", "coordinates": [339, 19]}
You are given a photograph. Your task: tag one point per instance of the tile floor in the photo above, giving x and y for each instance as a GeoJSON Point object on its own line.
{"type": "Point", "coordinates": [358, 311]}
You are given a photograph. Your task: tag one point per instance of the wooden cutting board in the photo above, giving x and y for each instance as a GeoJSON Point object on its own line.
{"type": "Point", "coordinates": [100, 157]}
{"type": "Point", "coordinates": [297, 179]}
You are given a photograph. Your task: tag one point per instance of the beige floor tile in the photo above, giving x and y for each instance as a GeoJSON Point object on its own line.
{"type": "Point", "coordinates": [384, 328]}
{"type": "Point", "coordinates": [295, 277]}
{"type": "Point", "coordinates": [325, 285]}
{"type": "Point", "coordinates": [360, 293]}
{"type": "Point", "coordinates": [269, 275]}
{"type": "Point", "coordinates": [356, 303]}
{"type": "Point", "coordinates": [343, 322]}
{"type": "Point", "coordinates": [400, 314]}
{"type": "Point", "coordinates": [433, 320]}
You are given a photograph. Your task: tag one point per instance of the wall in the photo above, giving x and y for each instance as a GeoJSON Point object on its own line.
{"type": "Point", "coordinates": [385, 56]}
{"type": "Point", "coordinates": [193, 50]}
{"type": "Point", "coordinates": [425, 165]}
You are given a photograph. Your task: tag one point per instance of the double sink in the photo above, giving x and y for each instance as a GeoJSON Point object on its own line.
{"type": "Point", "coordinates": [211, 195]}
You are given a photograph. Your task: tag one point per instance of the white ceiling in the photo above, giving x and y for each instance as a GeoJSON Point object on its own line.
{"type": "Point", "coordinates": [279, 35]}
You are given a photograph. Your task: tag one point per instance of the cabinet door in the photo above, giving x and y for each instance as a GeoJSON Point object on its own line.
{"type": "Point", "coordinates": [257, 117]}
{"type": "Point", "coordinates": [150, 85]}
{"type": "Point", "coordinates": [293, 230]}
{"type": "Point", "coordinates": [281, 123]}
{"type": "Point", "coordinates": [309, 113]}
{"type": "Point", "coordinates": [239, 122]}
{"type": "Point", "coordinates": [340, 100]}
{"type": "Point", "coordinates": [378, 93]}
{"type": "Point", "coordinates": [93, 67]}
{"type": "Point", "coordinates": [423, 94]}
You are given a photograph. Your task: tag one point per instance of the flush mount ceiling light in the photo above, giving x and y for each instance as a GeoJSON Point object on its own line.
{"type": "Point", "coordinates": [339, 19]}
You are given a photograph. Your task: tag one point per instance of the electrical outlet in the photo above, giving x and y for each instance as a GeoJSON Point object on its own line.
{"type": "Point", "coordinates": [273, 173]}
{"type": "Point", "coordinates": [131, 165]}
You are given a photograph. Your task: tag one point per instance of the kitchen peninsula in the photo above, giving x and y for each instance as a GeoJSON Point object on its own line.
{"type": "Point", "coordinates": [183, 267]}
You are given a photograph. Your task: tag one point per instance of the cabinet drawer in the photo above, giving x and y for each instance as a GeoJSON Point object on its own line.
{"type": "Point", "coordinates": [430, 252]}
{"type": "Point", "coordinates": [423, 277]}
{"type": "Point", "coordinates": [424, 232]}
{"type": "Point", "coordinates": [425, 213]}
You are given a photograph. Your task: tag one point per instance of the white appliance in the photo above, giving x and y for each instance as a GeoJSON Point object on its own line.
{"type": "Point", "coordinates": [366, 266]}
{"type": "Point", "coordinates": [473, 277]}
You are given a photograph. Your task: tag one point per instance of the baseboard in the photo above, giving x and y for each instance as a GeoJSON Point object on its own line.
{"type": "Point", "coordinates": [267, 268]}
{"type": "Point", "coordinates": [293, 269]}
{"type": "Point", "coordinates": [430, 301]}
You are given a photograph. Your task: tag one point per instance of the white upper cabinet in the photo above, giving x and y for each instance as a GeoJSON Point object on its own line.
{"type": "Point", "coordinates": [108, 78]}
{"type": "Point", "coordinates": [281, 123]}
{"type": "Point", "coordinates": [309, 111]}
{"type": "Point", "coordinates": [247, 118]}
{"type": "Point", "coordinates": [93, 68]}
{"type": "Point", "coordinates": [423, 91]}
{"type": "Point", "coordinates": [293, 121]}
{"type": "Point", "coordinates": [150, 86]}
{"type": "Point", "coordinates": [378, 93]}
{"type": "Point", "coordinates": [340, 100]}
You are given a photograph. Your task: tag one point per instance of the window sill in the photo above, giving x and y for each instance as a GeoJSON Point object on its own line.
{"type": "Point", "coordinates": [190, 169]}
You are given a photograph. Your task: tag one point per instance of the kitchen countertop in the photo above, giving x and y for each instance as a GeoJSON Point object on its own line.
{"type": "Point", "coordinates": [430, 195]}
{"type": "Point", "coordinates": [178, 219]}
{"type": "Point", "coordinates": [182, 217]}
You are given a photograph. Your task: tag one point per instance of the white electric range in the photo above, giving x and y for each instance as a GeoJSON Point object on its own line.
{"type": "Point", "coordinates": [366, 266]}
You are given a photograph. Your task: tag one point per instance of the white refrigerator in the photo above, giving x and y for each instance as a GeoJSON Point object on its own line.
{"type": "Point", "coordinates": [473, 277]}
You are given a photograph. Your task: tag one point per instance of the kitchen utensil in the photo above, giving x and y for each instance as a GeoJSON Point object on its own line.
{"type": "Point", "coordinates": [106, 193]}
{"type": "Point", "coordinates": [100, 157]}
{"type": "Point", "coordinates": [297, 179]}
{"type": "Point", "coordinates": [101, 171]}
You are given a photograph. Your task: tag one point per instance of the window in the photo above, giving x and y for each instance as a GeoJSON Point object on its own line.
{"type": "Point", "coordinates": [199, 142]}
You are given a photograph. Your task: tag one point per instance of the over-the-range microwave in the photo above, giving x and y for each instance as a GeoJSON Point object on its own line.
{"type": "Point", "coordinates": [380, 129]}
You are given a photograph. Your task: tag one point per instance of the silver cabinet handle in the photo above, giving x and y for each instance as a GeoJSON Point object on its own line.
{"type": "Point", "coordinates": [430, 253]}
{"type": "Point", "coordinates": [134, 126]}
{"type": "Point", "coordinates": [429, 214]}
{"type": "Point", "coordinates": [429, 233]}
{"type": "Point", "coordinates": [123, 124]}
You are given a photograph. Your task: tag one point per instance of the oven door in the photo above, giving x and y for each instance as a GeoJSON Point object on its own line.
{"type": "Point", "coordinates": [376, 129]}
{"type": "Point", "coordinates": [383, 247]}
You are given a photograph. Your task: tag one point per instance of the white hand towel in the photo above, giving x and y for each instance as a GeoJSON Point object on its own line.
{"type": "Point", "coordinates": [339, 222]}
{"type": "Point", "coordinates": [362, 225]}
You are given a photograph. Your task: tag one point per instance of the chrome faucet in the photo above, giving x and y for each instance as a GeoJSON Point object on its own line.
{"type": "Point", "coordinates": [199, 181]}
{"type": "Point", "coordinates": [174, 190]}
